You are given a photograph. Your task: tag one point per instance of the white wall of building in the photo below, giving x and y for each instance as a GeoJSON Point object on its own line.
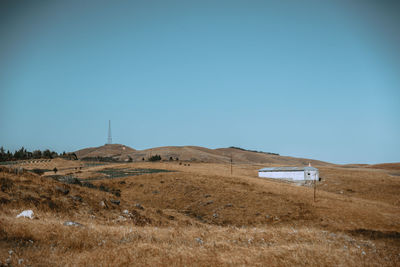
{"type": "Point", "coordinates": [292, 175]}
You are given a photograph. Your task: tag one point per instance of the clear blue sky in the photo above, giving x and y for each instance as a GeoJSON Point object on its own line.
{"type": "Point", "coordinates": [316, 79]}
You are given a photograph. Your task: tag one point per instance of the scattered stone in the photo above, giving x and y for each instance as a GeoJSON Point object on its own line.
{"type": "Point", "coordinates": [199, 240]}
{"type": "Point", "coordinates": [114, 201]}
{"type": "Point", "coordinates": [162, 182]}
{"type": "Point", "coordinates": [207, 195]}
{"type": "Point", "coordinates": [156, 192]}
{"type": "Point", "coordinates": [26, 214]}
{"type": "Point", "coordinates": [125, 212]}
{"type": "Point", "coordinates": [20, 261]}
{"type": "Point", "coordinates": [257, 214]}
{"type": "Point", "coordinates": [77, 198]}
{"type": "Point", "coordinates": [122, 182]}
{"type": "Point", "coordinates": [228, 205]}
{"type": "Point", "coordinates": [209, 203]}
{"type": "Point", "coordinates": [170, 217]}
{"type": "Point", "coordinates": [267, 216]}
{"type": "Point", "coordinates": [103, 204]}
{"type": "Point", "coordinates": [70, 223]}
{"type": "Point", "coordinates": [62, 190]}
{"type": "Point", "coordinates": [215, 215]}
{"type": "Point", "coordinates": [121, 219]}
{"type": "Point", "coordinates": [10, 252]}
{"type": "Point", "coordinates": [137, 205]}
{"type": "Point", "coordinates": [363, 253]}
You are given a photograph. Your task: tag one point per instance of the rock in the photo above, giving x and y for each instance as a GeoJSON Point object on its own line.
{"type": "Point", "coordinates": [77, 198]}
{"type": "Point", "coordinates": [125, 212]}
{"type": "Point", "coordinates": [137, 205]}
{"type": "Point", "coordinates": [156, 192]}
{"type": "Point", "coordinates": [209, 203]}
{"type": "Point", "coordinates": [215, 215]}
{"type": "Point", "coordinates": [207, 195]}
{"type": "Point", "coordinates": [103, 204]}
{"type": "Point", "coordinates": [114, 201]}
{"type": "Point", "coordinates": [70, 223]}
{"type": "Point", "coordinates": [62, 190]}
{"type": "Point", "coordinates": [122, 182]}
{"type": "Point", "coordinates": [199, 240]}
{"type": "Point", "coordinates": [20, 261]}
{"type": "Point", "coordinates": [10, 252]}
{"type": "Point", "coordinates": [26, 214]}
{"type": "Point", "coordinates": [228, 205]}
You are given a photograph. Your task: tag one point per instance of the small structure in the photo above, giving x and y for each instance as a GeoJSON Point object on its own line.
{"type": "Point", "coordinates": [290, 173]}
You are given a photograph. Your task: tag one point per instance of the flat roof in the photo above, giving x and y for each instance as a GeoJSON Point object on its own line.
{"type": "Point", "coordinates": [285, 169]}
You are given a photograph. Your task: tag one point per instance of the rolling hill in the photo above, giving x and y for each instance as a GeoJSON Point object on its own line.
{"type": "Point", "coordinates": [195, 154]}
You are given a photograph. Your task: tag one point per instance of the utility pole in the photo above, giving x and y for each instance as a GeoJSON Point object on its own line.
{"type": "Point", "coordinates": [109, 139]}
{"type": "Point", "coordinates": [315, 188]}
{"type": "Point", "coordinates": [231, 164]}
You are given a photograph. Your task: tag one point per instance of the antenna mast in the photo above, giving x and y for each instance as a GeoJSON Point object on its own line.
{"type": "Point", "coordinates": [109, 140]}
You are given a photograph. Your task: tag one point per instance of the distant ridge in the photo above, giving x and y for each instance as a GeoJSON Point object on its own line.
{"type": "Point", "coordinates": [118, 152]}
{"type": "Point", "coordinates": [256, 151]}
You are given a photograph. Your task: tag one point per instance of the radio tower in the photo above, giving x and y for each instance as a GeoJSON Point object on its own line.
{"type": "Point", "coordinates": [109, 139]}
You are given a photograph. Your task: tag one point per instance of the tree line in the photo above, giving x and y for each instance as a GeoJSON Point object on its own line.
{"type": "Point", "coordinates": [23, 154]}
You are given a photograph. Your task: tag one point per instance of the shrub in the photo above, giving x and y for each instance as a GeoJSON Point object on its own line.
{"type": "Point", "coordinates": [155, 158]}
{"type": "Point", "coordinates": [38, 171]}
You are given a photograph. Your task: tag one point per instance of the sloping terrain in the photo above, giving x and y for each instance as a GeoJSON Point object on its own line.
{"type": "Point", "coordinates": [201, 215]}
{"type": "Point", "coordinates": [113, 150]}
{"type": "Point", "coordinates": [195, 154]}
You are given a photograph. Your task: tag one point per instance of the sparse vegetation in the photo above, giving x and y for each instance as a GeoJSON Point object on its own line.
{"type": "Point", "coordinates": [100, 159]}
{"type": "Point", "coordinates": [199, 216]}
{"type": "Point", "coordinates": [154, 158]}
{"type": "Point", "coordinates": [256, 151]}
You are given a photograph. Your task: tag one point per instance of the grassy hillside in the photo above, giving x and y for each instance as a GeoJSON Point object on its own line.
{"type": "Point", "coordinates": [201, 215]}
{"type": "Point", "coordinates": [196, 154]}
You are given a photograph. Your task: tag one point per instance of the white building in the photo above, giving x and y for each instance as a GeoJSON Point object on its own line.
{"type": "Point", "coordinates": [290, 173]}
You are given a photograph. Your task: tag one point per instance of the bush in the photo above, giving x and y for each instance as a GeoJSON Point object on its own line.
{"type": "Point", "coordinates": [38, 171]}
{"type": "Point", "coordinates": [155, 158]}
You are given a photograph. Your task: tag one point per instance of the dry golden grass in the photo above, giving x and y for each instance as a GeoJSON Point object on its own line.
{"type": "Point", "coordinates": [195, 153]}
{"type": "Point", "coordinates": [201, 215]}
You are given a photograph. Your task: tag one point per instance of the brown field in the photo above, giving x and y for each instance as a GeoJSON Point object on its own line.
{"type": "Point", "coordinates": [201, 215]}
